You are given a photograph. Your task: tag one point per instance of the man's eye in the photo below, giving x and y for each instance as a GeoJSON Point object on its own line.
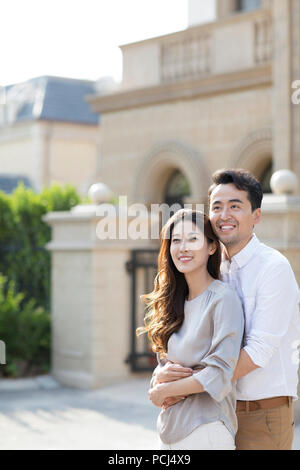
{"type": "Point", "coordinates": [216, 208]}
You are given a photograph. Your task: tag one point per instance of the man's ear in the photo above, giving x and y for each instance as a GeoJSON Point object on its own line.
{"type": "Point", "coordinates": [256, 216]}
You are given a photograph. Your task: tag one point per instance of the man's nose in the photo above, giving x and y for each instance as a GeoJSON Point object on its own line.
{"type": "Point", "coordinates": [225, 213]}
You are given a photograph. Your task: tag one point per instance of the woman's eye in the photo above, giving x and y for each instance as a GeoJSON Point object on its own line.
{"type": "Point", "coordinates": [175, 240]}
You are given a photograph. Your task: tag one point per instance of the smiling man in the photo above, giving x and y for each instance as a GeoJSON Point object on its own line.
{"type": "Point", "coordinates": [266, 374]}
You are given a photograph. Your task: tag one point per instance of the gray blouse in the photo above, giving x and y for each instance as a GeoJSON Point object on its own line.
{"type": "Point", "coordinates": [208, 341]}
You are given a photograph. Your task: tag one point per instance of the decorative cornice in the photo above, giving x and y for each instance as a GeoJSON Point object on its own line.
{"type": "Point", "coordinates": [184, 90]}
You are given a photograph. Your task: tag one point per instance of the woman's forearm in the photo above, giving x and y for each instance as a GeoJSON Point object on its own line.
{"type": "Point", "coordinates": [186, 386]}
{"type": "Point", "coordinates": [179, 388]}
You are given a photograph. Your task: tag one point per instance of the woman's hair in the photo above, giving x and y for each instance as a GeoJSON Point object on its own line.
{"type": "Point", "coordinates": [165, 304]}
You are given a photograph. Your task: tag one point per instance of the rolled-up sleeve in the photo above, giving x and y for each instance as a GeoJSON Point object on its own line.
{"type": "Point", "coordinates": [276, 301]}
{"type": "Point", "coordinates": [220, 361]}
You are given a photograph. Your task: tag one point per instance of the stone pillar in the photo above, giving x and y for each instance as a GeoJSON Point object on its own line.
{"type": "Point", "coordinates": [286, 70]}
{"type": "Point", "coordinates": [90, 299]}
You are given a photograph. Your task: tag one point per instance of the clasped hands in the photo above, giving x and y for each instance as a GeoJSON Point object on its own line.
{"type": "Point", "coordinates": [159, 393]}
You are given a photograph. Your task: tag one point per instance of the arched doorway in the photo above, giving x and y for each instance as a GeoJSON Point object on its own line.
{"type": "Point", "coordinates": [176, 189]}
{"type": "Point", "coordinates": [265, 176]}
{"type": "Point", "coordinates": [254, 153]}
{"type": "Point", "coordinates": [155, 178]}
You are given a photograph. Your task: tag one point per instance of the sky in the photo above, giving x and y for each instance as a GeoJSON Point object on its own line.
{"type": "Point", "coordinates": [80, 38]}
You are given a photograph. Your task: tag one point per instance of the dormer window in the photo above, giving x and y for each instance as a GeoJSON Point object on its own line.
{"type": "Point", "coordinates": [248, 5]}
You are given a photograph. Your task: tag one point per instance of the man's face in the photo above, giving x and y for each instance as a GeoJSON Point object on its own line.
{"type": "Point", "coordinates": [231, 216]}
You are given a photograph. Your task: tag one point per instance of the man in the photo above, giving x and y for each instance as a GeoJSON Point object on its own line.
{"type": "Point", "coordinates": [266, 374]}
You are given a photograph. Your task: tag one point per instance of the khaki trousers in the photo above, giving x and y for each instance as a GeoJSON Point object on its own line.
{"type": "Point", "coordinates": [269, 429]}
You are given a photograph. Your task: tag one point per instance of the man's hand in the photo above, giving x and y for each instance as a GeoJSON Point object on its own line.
{"type": "Point", "coordinates": [157, 394]}
{"type": "Point", "coordinates": [171, 401]}
{"type": "Point", "coordinates": [170, 372]}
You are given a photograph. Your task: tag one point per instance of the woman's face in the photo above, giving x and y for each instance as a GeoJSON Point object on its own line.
{"type": "Point", "coordinates": [189, 247]}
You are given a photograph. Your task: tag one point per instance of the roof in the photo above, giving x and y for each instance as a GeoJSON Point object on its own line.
{"type": "Point", "coordinates": [8, 183]}
{"type": "Point", "coordinates": [51, 99]}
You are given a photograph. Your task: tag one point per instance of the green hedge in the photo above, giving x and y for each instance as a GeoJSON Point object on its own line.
{"type": "Point", "coordinates": [25, 331]}
{"type": "Point", "coordinates": [23, 236]}
{"type": "Point", "coordinates": [25, 275]}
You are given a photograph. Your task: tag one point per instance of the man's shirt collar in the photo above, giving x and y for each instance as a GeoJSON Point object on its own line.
{"type": "Point", "coordinates": [242, 257]}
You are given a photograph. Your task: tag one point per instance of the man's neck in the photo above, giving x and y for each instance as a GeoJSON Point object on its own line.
{"type": "Point", "coordinates": [232, 250]}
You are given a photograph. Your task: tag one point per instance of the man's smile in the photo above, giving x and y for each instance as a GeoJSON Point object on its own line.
{"type": "Point", "coordinates": [226, 227]}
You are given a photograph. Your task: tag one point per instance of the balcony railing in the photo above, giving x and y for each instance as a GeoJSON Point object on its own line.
{"type": "Point", "coordinates": [196, 53]}
{"type": "Point", "coordinates": [239, 42]}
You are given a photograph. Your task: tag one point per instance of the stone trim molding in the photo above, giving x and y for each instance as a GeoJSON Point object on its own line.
{"type": "Point", "coordinates": [159, 163]}
{"type": "Point", "coordinates": [256, 77]}
{"type": "Point", "coordinates": [254, 150]}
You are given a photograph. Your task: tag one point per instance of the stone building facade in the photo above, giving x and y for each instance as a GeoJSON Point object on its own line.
{"type": "Point", "coordinates": [213, 95]}
{"type": "Point", "coordinates": [48, 134]}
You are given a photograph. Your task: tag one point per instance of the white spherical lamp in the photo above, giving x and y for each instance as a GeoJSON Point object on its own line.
{"type": "Point", "coordinates": [284, 182]}
{"type": "Point", "coordinates": [99, 193]}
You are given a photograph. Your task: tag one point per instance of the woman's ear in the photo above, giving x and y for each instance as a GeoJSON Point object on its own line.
{"type": "Point", "coordinates": [212, 248]}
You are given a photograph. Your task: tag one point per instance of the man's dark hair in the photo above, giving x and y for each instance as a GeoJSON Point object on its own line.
{"type": "Point", "coordinates": [242, 180]}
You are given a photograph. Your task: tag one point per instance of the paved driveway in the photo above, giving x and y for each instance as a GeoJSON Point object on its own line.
{"type": "Point", "coordinates": [40, 414]}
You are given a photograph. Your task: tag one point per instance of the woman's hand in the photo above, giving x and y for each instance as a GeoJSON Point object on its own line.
{"type": "Point", "coordinates": [157, 394]}
{"type": "Point", "coordinates": [170, 372]}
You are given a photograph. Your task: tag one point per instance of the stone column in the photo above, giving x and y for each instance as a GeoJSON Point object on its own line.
{"type": "Point", "coordinates": [90, 299]}
{"type": "Point", "coordinates": [286, 70]}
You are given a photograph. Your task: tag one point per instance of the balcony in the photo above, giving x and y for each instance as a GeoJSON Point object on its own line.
{"type": "Point", "coordinates": [230, 54]}
{"type": "Point", "coordinates": [242, 41]}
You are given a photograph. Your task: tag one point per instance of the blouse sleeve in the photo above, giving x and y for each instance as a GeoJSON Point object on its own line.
{"type": "Point", "coordinates": [220, 361]}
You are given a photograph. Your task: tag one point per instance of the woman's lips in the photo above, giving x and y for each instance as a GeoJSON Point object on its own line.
{"type": "Point", "coordinates": [185, 259]}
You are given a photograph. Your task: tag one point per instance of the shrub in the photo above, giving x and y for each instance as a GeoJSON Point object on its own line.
{"type": "Point", "coordinates": [23, 256]}
{"type": "Point", "coordinates": [25, 279]}
{"type": "Point", "coordinates": [25, 331]}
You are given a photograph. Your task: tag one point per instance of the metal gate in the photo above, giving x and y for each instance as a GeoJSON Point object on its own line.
{"type": "Point", "coordinates": [142, 268]}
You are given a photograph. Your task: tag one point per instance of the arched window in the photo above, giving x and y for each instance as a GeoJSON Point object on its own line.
{"type": "Point", "coordinates": [177, 188]}
{"type": "Point", "coordinates": [265, 177]}
{"type": "Point", "coordinates": [247, 5]}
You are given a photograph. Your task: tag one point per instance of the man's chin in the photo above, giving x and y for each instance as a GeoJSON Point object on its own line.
{"type": "Point", "coordinates": [228, 240]}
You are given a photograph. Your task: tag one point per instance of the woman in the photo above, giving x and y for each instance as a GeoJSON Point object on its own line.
{"type": "Point", "coordinates": [194, 320]}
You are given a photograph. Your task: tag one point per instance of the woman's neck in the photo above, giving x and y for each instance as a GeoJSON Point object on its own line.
{"type": "Point", "coordinates": [198, 282]}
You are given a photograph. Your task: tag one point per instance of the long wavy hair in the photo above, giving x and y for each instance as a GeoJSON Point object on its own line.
{"type": "Point", "coordinates": [165, 304]}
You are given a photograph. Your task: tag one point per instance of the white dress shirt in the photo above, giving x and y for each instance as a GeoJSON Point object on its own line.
{"type": "Point", "coordinates": [266, 284]}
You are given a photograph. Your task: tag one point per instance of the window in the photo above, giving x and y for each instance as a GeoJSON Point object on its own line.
{"type": "Point", "coordinates": [176, 189]}
{"type": "Point", "coordinates": [265, 178]}
{"type": "Point", "coordinates": [247, 5]}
